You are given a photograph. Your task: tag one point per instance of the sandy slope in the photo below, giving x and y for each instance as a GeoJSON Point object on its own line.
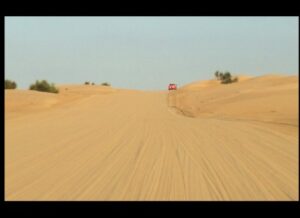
{"type": "Point", "coordinates": [109, 144]}
{"type": "Point", "coordinates": [270, 98]}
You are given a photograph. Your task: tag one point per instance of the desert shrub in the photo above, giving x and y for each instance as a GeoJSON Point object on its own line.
{"type": "Point", "coordinates": [217, 74]}
{"type": "Point", "coordinates": [105, 84]}
{"type": "Point", "coordinates": [225, 77]}
{"type": "Point", "coordinates": [86, 83]}
{"type": "Point", "coordinates": [93, 84]}
{"type": "Point", "coordinates": [43, 86]}
{"type": "Point", "coordinates": [9, 84]}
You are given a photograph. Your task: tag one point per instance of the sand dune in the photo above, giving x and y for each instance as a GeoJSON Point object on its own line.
{"type": "Point", "coordinates": [269, 98]}
{"type": "Point", "coordinates": [205, 141]}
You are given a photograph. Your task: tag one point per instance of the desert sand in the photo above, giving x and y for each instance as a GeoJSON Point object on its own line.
{"type": "Point", "coordinates": [205, 141]}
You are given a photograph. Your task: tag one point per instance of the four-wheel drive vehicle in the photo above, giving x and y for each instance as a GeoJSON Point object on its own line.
{"type": "Point", "coordinates": [172, 86]}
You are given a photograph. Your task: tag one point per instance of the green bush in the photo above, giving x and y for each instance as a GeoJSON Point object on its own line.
{"type": "Point", "coordinates": [43, 86]}
{"type": "Point", "coordinates": [225, 77]}
{"type": "Point", "coordinates": [105, 84]}
{"type": "Point", "coordinates": [86, 83]}
{"type": "Point", "coordinates": [217, 73]}
{"type": "Point", "coordinates": [93, 84]}
{"type": "Point", "coordinates": [10, 84]}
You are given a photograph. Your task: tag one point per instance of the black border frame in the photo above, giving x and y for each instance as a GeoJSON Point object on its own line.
{"type": "Point", "coordinates": [145, 206]}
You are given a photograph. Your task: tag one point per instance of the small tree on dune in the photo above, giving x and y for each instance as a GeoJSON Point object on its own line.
{"type": "Point", "coordinates": [225, 77]}
{"type": "Point", "coordinates": [105, 84]}
{"type": "Point", "coordinates": [43, 86]}
{"type": "Point", "coordinates": [217, 74]}
{"type": "Point", "coordinates": [10, 84]}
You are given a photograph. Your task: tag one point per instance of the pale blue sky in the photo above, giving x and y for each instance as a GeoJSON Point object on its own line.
{"type": "Point", "coordinates": [147, 52]}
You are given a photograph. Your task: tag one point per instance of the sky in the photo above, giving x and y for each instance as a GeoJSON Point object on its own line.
{"type": "Point", "coordinates": [147, 53]}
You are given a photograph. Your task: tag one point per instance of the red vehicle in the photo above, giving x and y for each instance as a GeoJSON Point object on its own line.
{"type": "Point", "coordinates": [172, 86]}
